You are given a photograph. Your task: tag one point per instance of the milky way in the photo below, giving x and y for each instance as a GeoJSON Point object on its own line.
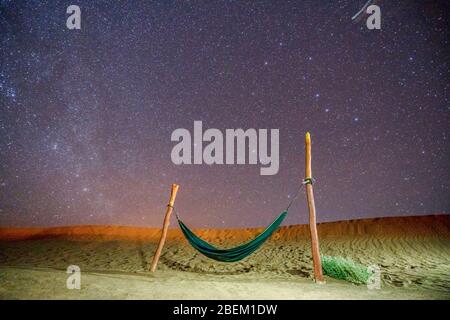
{"type": "Point", "coordinates": [86, 115]}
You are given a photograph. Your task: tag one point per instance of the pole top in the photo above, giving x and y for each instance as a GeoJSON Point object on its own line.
{"type": "Point", "coordinates": [173, 194]}
{"type": "Point", "coordinates": [308, 137]}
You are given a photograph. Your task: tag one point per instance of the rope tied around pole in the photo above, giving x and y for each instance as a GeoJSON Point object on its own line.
{"type": "Point", "coordinates": [304, 183]}
{"type": "Point", "coordinates": [309, 180]}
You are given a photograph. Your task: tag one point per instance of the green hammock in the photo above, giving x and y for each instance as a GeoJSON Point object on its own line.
{"type": "Point", "coordinates": [244, 250]}
{"type": "Point", "coordinates": [232, 254]}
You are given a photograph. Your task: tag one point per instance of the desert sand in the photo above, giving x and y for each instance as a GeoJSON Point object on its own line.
{"type": "Point", "coordinates": [413, 254]}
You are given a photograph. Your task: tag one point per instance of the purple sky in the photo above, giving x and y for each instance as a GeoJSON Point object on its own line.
{"type": "Point", "coordinates": [86, 115]}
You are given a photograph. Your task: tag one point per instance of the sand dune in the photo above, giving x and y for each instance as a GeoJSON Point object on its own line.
{"type": "Point", "coordinates": [413, 254]}
{"type": "Point", "coordinates": [390, 226]}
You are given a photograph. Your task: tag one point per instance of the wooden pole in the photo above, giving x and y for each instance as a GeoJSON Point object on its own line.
{"type": "Point", "coordinates": [312, 213]}
{"type": "Point", "coordinates": [173, 195]}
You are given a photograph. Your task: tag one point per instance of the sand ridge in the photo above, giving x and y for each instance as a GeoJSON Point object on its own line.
{"type": "Point", "coordinates": [435, 225]}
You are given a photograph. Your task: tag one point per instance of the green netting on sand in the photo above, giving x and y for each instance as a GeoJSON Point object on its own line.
{"type": "Point", "coordinates": [345, 269]}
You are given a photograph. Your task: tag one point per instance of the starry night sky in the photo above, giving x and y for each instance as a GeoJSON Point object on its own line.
{"type": "Point", "coordinates": [86, 115]}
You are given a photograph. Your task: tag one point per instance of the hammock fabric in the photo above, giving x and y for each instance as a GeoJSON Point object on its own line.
{"type": "Point", "coordinates": [232, 254]}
